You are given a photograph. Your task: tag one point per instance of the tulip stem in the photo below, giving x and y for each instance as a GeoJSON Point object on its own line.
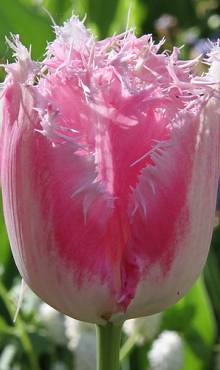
{"type": "Point", "coordinates": [108, 346]}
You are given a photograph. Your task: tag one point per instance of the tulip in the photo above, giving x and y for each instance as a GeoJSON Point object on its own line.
{"type": "Point", "coordinates": [109, 172]}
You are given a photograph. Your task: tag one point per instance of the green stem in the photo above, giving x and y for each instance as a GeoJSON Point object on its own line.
{"type": "Point", "coordinates": [108, 346]}
{"type": "Point", "coordinates": [128, 346]}
{"type": "Point", "coordinates": [19, 326]}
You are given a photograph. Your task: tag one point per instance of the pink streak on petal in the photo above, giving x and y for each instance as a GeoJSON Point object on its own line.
{"type": "Point", "coordinates": [105, 166]}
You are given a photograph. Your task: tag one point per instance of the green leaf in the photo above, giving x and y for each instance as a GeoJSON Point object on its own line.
{"type": "Point", "coordinates": [102, 13]}
{"type": "Point", "coordinates": [120, 20]}
{"type": "Point", "coordinates": [7, 264]}
{"type": "Point", "coordinates": [40, 343]}
{"type": "Point", "coordinates": [178, 318]}
{"type": "Point", "coordinates": [3, 325]}
{"type": "Point", "coordinates": [78, 7]}
{"type": "Point", "coordinates": [212, 278]}
{"type": "Point", "coordinates": [57, 8]}
{"type": "Point", "coordinates": [33, 28]}
{"type": "Point", "coordinates": [5, 249]}
{"type": "Point", "coordinates": [193, 318]}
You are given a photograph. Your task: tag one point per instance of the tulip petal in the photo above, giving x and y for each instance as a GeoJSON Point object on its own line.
{"type": "Point", "coordinates": [109, 170]}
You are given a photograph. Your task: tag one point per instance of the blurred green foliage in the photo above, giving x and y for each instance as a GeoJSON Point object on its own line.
{"type": "Point", "coordinates": [25, 344]}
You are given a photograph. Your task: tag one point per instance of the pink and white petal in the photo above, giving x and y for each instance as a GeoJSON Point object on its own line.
{"type": "Point", "coordinates": [175, 234]}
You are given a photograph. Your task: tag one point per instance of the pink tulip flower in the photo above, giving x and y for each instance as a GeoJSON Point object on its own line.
{"type": "Point", "coordinates": [109, 172]}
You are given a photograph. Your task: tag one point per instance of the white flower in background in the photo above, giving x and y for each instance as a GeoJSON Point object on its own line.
{"type": "Point", "coordinates": [82, 341]}
{"type": "Point", "coordinates": [146, 327]}
{"type": "Point", "coordinates": [54, 323]}
{"type": "Point", "coordinates": [58, 366]}
{"type": "Point", "coordinates": [166, 352]}
{"type": "Point", "coordinates": [85, 352]}
{"type": "Point", "coordinates": [75, 329]}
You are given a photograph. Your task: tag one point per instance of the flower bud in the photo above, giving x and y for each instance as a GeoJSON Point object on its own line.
{"type": "Point", "coordinates": [109, 171]}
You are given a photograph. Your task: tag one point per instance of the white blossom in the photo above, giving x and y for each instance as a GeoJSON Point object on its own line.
{"type": "Point", "coordinates": [166, 352]}
{"type": "Point", "coordinates": [82, 341]}
{"type": "Point", "coordinates": [58, 366]}
{"type": "Point", "coordinates": [54, 323]}
{"type": "Point", "coordinates": [147, 327]}
{"type": "Point", "coordinates": [85, 352]}
{"type": "Point", "coordinates": [74, 330]}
